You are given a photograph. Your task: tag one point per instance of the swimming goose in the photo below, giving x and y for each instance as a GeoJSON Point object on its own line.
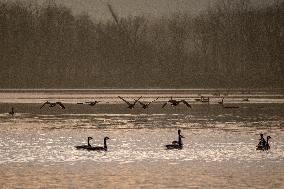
{"type": "Point", "coordinates": [12, 112]}
{"type": "Point", "coordinates": [176, 144]}
{"type": "Point", "coordinates": [85, 146]}
{"type": "Point", "coordinates": [176, 102]}
{"type": "Point", "coordinates": [267, 146]}
{"type": "Point", "coordinates": [263, 145]}
{"type": "Point", "coordinates": [53, 104]}
{"type": "Point", "coordinates": [100, 148]}
{"type": "Point", "coordinates": [130, 106]}
{"type": "Point", "coordinates": [145, 106]}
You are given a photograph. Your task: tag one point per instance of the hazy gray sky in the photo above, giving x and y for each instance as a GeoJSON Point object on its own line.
{"type": "Point", "coordinates": [97, 8]}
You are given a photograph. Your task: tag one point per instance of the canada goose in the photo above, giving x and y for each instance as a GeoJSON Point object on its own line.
{"type": "Point", "coordinates": [176, 102]}
{"type": "Point", "coordinates": [267, 146]}
{"type": "Point", "coordinates": [99, 148]}
{"type": "Point", "coordinates": [130, 106]}
{"type": "Point", "coordinates": [85, 146]}
{"type": "Point", "coordinates": [145, 106]}
{"type": "Point", "coordinates": [263, 145]}
{"type": "Point", "coordinates": [12, 112]}
{"type": "Point", "coordinates": [53, 104]}
{"type": "Point", "coordinates": [176, 144]}
{"type": "Point", "coordinates": [91, 103]}
{"type": "Point", "coordinates": [222, 101]}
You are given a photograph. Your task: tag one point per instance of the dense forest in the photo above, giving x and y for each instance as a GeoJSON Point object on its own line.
{"type": "Point", "coordinates": [230, 45]}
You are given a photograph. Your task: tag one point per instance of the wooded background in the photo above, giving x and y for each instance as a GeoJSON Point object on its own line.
{"type": "Point", "coordinates": [231, 45]}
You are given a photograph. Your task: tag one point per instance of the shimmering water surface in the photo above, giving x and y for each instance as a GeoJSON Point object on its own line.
{"type": "Point", "coordinates": [37, 145]}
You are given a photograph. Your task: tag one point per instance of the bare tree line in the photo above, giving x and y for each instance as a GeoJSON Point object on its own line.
{"type": "Point", "coordinates": [230, 45]}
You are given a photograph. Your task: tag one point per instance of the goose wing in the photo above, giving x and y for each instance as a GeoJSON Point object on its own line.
{"type": "Point", "coordinates": [153, 101]}
{"type": "Point", "coordinates": [128, 103]}
{"type": "Point", "coordinates": [137, 100]}
{"type": "Point", "coordinates": [92, 103]}
{"type": "Point", "coordinates": [164, 104]}
{"type": "Point", "coordinates": [141, 103]}
{"type": "Point", "coordinates": [188, 105]}
{"type": "Point", "coordinates": [61, 105]}
{"type": "Point", "coordinates": [44, 104]}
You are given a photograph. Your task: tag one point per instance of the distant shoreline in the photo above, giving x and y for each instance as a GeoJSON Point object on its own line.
{"type": "Point", "coordinates": [194, 90]}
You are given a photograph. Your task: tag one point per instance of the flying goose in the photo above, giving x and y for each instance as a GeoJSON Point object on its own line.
{"type": "Point", "coordinates": [130, 105]}
{"type": "Point", "coordinates": [145, 106]}
{"type": "Point", "coordinates": [53, 104]}
{"type": "Point", "coordinates": [90, 103]}
{"type": "Point", "coordinates": [173, 102]}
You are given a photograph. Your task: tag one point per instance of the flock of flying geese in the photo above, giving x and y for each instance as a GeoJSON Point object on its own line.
{"type": "Point", "coordinates": [131, 105]}
{"type": "Point", "coordinates": [174, 145]}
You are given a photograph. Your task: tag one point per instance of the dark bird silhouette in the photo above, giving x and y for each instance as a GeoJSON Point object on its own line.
{"type": "Point", "coordinates": [267, 146]}
{"type": "Point", "coordinates": [145, 106]}
{"type": "Point", "coordinates": [90, 103]}
{"type": "Point", "coordinates": [263, 145]}
{"type": "Point", "coordinates": [52, 104]}
{"type": "Point", "coordinates": [245, 100]}
{"type": "Point", "coordinates": [222, 101]}
{"type": "Point", "coordinates": [176, 144]}
{"type": "Point", "coordinates": [202, 99]}
{"type": "Point", "coordinates": [130, 105]}
{"type": "Point", "coordinates": [12, 112]}
{"type": "Point", "coordinates": [99, 148]}
{"type": "Point", "coordinates": [85, 146]}
{"type": "Point", "coordinates": [173, 102]}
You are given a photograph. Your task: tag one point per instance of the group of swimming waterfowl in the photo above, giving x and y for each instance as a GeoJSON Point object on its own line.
{"type": "Point", "coordinates": [262, 145]}
{"type": "Point", "coordinates": [174, 145]}
{"type": "Point", "coordinates": [93, 148]}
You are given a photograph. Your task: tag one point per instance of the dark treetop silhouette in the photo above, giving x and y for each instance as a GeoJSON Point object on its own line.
{"type": "Point", "coordinates": [180, 51]}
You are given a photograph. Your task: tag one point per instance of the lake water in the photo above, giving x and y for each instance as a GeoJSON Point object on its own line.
{"type": "Point", "coordinates": [37, 145]}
